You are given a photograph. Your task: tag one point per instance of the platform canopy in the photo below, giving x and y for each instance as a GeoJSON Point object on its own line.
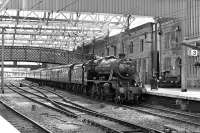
{"type": "Point", "coordinates": [59, 28]}
{"type": "Point", "coordinates": [67, 24]}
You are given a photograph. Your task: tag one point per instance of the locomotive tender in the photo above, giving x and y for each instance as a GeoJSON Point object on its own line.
{"type": "Point", "coordinates": [108, 78]}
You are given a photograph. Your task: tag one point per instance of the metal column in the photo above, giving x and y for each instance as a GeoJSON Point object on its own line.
{"type": "Point", "coordinates": [2, 62]}
{"type": "Point", "coordinates": [155, 69]}
{"type": "Point", "coordinates": [82, 58]}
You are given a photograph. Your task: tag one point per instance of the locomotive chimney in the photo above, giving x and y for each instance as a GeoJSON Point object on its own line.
{"type": "Point", "coordinates": [121, 55]}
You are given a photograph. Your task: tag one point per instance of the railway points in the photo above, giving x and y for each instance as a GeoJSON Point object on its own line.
{"type": "Point", "coordinates": [165, 114]}
{"type": "Point", "coordinates": [56, 121]}
{"type": "Point", "coordinates": [113, 124]}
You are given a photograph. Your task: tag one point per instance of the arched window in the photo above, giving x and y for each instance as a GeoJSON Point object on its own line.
{"type": "Point", "coordinates": [131, 47]}
{"type": "Point", "coordinates": [115, 50]}
{"type": "Point", "coordinates": [141, 45]}
{"type": "Point", "coordinates": [108, 52]}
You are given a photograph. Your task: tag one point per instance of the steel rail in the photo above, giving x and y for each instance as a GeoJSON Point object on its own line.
{"type": "Point", "coordinates": [88, 121]}
{"type": "Point", "coordinates": [102, 115]}
{"type": "Point", "coordinates": [160, 115]}
{"type": "Point", "coordinates": [49, 100]}
{"type": "Point", "coordinates": [136, 108]}
{"type": "Point", "coordinates": [172, 111]}
{"type": "Point", "coordinates": [180, 113]}
{"type": "Point", "coordinates": [25, 117]}
{"type": "Point", "coordinates": [56, 109]}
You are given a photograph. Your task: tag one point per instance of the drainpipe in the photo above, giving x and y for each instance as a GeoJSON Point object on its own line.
{"type": "Point", "coordinates": [155, 56]}
{"type": "Point", "coordinates": [152, 38]}
{"type": "Point", "coordinates": [155, 50]}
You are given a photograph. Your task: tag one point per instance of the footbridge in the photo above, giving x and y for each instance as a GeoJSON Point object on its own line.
{"type": "Point", "coordinates": [42, 55]}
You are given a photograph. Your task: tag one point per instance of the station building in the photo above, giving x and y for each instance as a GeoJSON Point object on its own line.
{"type": "Point", "coordinates": [170, 51]}
{"type": "Point", "coordinates": [176, 59]}
{"type": "Point", "coordinates": [191, 62]}
{"type": "Point", "coordinates": [192, 74]}
{"type": "Point", "coordinates": [138, 43]}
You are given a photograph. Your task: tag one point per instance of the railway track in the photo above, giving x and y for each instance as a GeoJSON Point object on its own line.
{"type": "Point", "coordinates": [87, 115]}
{"type": "Point", "coordinates": [23, 123]}
{"type": "Point", "coordinates": [194, 115]}
{"type": "Point", "coordinates": [168, 114]}
{"type": "Point", "coordinates": [175, 115]}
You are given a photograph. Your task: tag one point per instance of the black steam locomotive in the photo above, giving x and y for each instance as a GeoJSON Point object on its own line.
{"type": "Point", "coordinates": [107, 78]}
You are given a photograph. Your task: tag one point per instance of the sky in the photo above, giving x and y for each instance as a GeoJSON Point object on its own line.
{"type": "Point", "coordinates": [139, 20]}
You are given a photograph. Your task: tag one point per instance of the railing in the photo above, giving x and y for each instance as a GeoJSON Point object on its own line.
{"type": "Point", "coordinates": [43, 55]}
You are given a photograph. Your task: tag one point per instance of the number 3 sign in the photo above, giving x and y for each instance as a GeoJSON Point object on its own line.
{"type": "Point", "coordinates": [194, 52]}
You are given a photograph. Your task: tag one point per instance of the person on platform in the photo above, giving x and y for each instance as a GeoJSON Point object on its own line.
{"type": "Point", "coordinates": [154, 83]}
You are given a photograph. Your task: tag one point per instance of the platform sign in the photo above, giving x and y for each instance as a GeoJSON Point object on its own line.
{"type": "Point", "coordinates": [192, 52]}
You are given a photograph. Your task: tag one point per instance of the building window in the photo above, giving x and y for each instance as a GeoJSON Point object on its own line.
{"type": "Point", "coordinates": [144, 65]}
{"type": "Point", "coordinates": [141, 45]}
{"type": "Point", "coordinates": [107, 50]}
{"type": "Point", "coordinates": [123, 47]}
{"type": "Point", "coordinates": [173, 40]}
{"type": "Point", "coordinates": [167, 40]}
{"type": "Point", "coordinates": [167, 63]}
{"type": "Point", "coordinates": [176, 36]}
{"type": "Point", "coordinates": [115, 50]}
{"type": "Point", "coordinates": [131, 47]}
{"type": "Point", "coordinates": [139, 64]}
{"type": "Point", "coordinates": [102, 54]}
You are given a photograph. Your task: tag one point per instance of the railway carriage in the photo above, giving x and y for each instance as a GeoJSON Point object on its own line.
{"type": "Point", "coordinates": [43, 74]}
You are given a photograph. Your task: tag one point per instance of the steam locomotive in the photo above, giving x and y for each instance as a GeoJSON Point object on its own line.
{"type": "Point", "coordinates": [107, 78]}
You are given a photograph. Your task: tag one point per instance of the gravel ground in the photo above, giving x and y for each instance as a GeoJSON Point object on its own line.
{"type": "Point", "coordinates": [50, 119]}
{"type": "Point", "coordinates": [101, 121]}
{"type": "Point", "coordinates": [21, 124]}
{"type": "Point", "coordinates": [128, 114]}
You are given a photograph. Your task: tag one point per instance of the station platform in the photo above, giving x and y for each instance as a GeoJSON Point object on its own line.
{"type": "Point", "coordinates": [191, 94]}
{"type": "Point", "coordinates": [174, 98]}
{"type": "Point", "coordinates": [7, 127]}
